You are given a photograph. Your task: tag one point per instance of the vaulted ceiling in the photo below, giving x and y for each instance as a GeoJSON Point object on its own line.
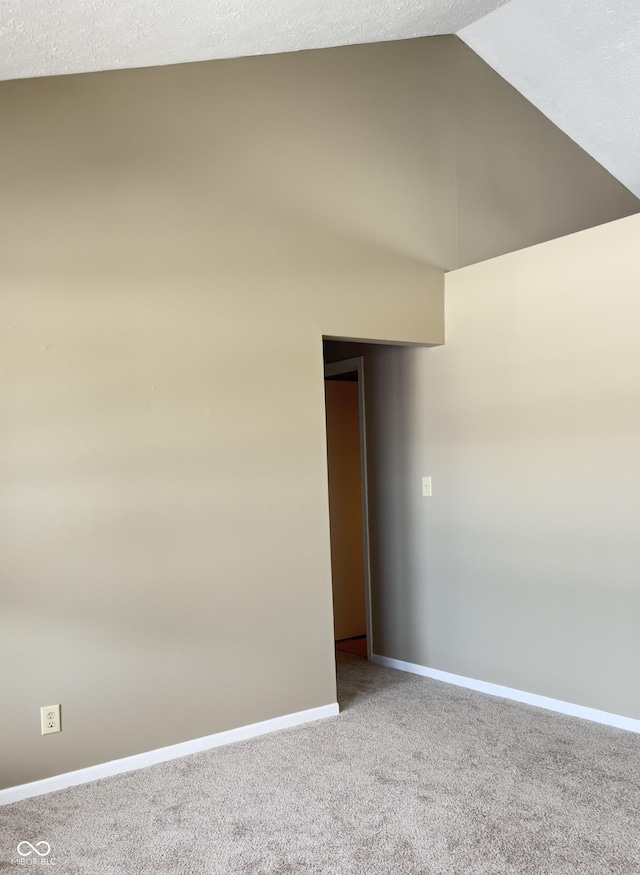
{"type": "Point", "coordinates": [49, 37]}
{"type": "Point", "coordinates": [578, 61]}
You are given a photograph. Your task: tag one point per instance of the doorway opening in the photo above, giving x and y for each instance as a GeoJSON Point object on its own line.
{"type": "Point", "coordinates": [348, 506]}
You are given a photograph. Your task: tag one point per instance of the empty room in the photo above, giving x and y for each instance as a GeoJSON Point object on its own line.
{"type": "Point", "coordinates": [233, 235]}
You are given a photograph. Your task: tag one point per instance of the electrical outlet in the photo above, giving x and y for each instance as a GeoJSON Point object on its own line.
{"type": "Point", "coordinates": [50, 719]}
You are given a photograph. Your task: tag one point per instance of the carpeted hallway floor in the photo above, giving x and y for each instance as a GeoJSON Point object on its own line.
{"type": "Point", "coordinates": [413, 777]}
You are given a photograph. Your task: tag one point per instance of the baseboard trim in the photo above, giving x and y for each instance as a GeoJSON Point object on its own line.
{"type": "Point", "coordinates": [163, 754]}
{"type": "Point", "coordinates": [557, 705]}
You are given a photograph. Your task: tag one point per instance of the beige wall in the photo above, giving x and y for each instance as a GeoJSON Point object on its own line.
{"type": "Point", "coordinates": [416, 148]}
{"type": "Point", "coordinates": [519, 179]}
{"type": "Point", "coordinates": [163, 511]}
{"type": "Point", "coordinates": [524, 567]}
{"type": "Point", "coordinates": [164, 538]}
{"type": "Point", "coordinates": [175, 241]}
{"type": "Point", "coordinates": [345, 509]}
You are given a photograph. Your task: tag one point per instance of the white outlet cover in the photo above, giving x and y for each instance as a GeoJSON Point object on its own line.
{"type": "Point", "coordinates": [50, 719]}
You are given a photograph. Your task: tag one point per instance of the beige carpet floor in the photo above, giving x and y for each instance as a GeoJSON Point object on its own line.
{"type": "Point", "coordinates": [413, 777]}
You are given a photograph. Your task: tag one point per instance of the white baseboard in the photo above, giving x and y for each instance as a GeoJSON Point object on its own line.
{"type": "Point", "coordinates": [549, 704]}
{"type": "Point", "coordinates": [163, 754]}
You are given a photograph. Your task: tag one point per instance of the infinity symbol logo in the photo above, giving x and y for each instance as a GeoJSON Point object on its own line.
{"type": "Point", "coordinates": [33, 849]}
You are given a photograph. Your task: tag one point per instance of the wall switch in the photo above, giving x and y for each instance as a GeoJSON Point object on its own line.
{"type": "Point", "coordinates": [50, 719]}
{"type": "Point", "coordinates": [426, 487]}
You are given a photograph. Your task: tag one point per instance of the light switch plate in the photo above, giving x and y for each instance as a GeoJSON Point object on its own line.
{"type": "Point", "coordinates": [426, 487]}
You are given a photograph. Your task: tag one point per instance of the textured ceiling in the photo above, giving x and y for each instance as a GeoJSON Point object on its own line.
{"type": "Point", "coordinates": [578, 61]}
{"type": "Point", "coordinates": [49, 37]}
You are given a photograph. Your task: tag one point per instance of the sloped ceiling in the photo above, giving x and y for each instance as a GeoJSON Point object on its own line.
{"type": "Point", "coordinates": [578, 61]}
{"type": "Point", "coordinates": [50, 37]}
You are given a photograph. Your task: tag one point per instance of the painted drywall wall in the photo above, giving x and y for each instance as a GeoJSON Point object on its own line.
{"type": "Point", "coordinates": [523, 569]}
{"type": "Point", "coordinates": [345, 509]}
{"type": "Point", "coordinates": [539, 183]}
{"type": "Point", "coordinates": [175, 241]}
{"type": "Point", "coordinates": [164, 531]}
